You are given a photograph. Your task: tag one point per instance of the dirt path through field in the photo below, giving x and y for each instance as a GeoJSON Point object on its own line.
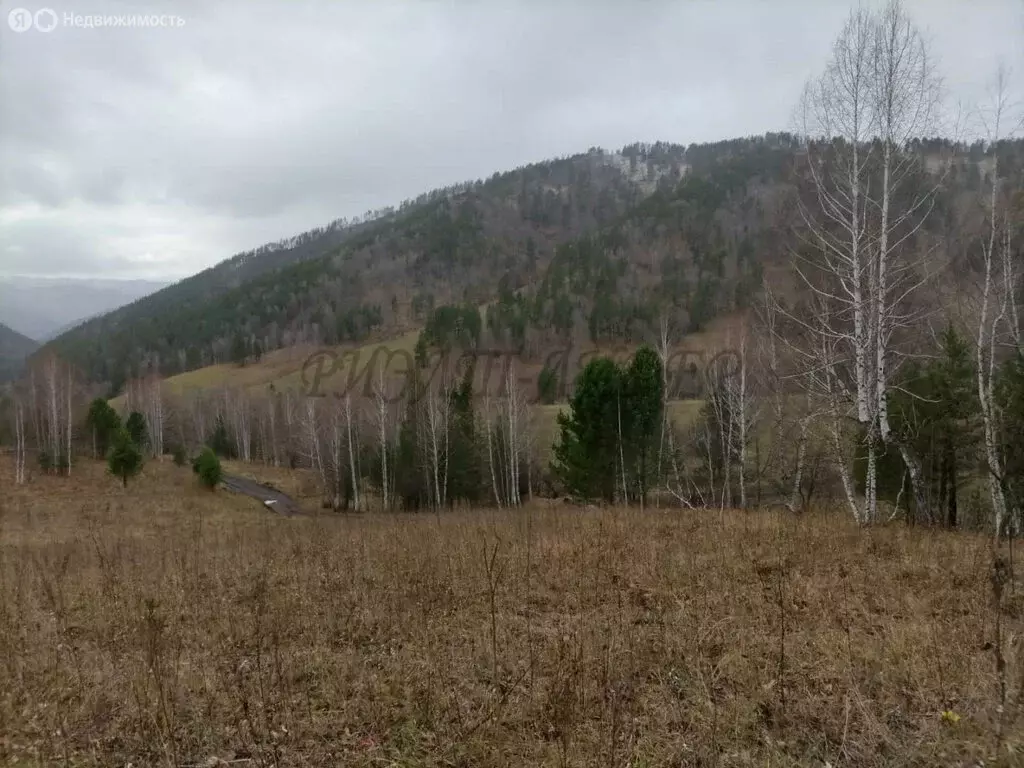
{"type": "Point", "coordinates": [271, 498]}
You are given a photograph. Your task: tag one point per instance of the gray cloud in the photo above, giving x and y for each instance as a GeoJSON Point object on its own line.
{"type": "Point", "coordinates": [157, 152]}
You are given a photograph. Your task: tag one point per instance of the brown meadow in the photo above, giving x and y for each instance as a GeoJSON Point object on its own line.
{"type": "Point", "coordinates": [166, 625]}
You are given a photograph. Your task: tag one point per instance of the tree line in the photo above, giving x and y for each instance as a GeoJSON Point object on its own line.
{"type": "Point", "coordinates": [872, 283]}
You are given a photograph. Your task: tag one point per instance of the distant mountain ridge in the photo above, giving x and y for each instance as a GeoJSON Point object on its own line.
{"type": "Point", "coordinates": [44, 307]}
{"type": "Point", "coordinates": [14, 349]}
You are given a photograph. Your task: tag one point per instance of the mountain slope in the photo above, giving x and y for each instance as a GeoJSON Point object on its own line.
{"type": "Point", "coordinates": [348, 280]}
{"type": "Point", "coordinates": [14, 349]}
{"type": "Point", "coordinates": [597, 247]}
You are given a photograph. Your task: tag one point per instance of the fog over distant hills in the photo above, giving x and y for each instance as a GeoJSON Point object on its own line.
{"type": "Point", "coordinates": [40, 308]}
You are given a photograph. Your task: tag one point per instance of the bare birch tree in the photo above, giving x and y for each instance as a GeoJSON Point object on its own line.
{"type": "Point", "coordinates": [664, 353]}
{"type": "Point", "coordinates": [335, 471]}
{"type": "Point", "coordinates": [380, 395]}
{"type": "Point", "coordinates": [878, 92]}
{"type": "Point", "coordinates": [69, 419]}
{"type": "Point", "coordinates": [742, 413]}
{"type": "Point", "coordinates": [239, 411]}
{"type": "Point", "coordinates": [507, 436]}
{"type": "Point", "coordinates": [153, 409]}
{"type": "Point", "coordinates": [51, 397]}
{"type": "Point", "coordinates": [489, 439]}
{"type": "Point", "coordinates": [352, 453]}
{"type": "Point", "coordinates": [435, 440]}
{"type": "Point", "coordinates": [19, 441]}
{"type": "Point", "coordinates": [272, 452]}
{"type": "Point", "coordinates": [998, 311]}
{"type": "Point", "coordinates": [517, 430]}
{"type": "Point", "coordinates": [311, 435]}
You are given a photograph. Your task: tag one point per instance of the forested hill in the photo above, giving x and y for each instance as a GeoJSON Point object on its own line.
{"type": "Point", "coordinates": [597, 244]}
{"type": "Point", "coordinates": [350, 279]}
{"type": "Point", "coordinates": [14, 348]}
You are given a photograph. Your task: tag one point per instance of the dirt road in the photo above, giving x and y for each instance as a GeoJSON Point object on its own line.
{"type": "Point", "coordinates": [270, 498]}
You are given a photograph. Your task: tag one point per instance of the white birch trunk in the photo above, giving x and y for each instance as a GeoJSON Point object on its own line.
{"type": "Point", "coordinates": [351, 451]}
{"type": "Point", "coordinates": [489, 427]}
{"type": "Point", "coordinates": [69, 422]}
{"type": "Point", "coordinates": [742, 420]}
{"type": "Point", "coordinates": [382, 420]}
{"type": "Point", "coordinates": [19, 448]}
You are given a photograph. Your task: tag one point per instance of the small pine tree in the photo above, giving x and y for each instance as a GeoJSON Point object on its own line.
{"type": "Point", "coordinates": [136, 427]}
{"type": "Point", "coordinates": [124, 458]}
{"type": "Point", "coordinates": [1011, 402]}
{"type": "Point", "coordinates": [207, 468]}
{"type": "Point", "coordinates": [586, 455]}
{"type": "Point", "coordinates": [104, 423]}
{"type": "Point", "coordinates": [239, 349]}
{"type": "Point", "coordinates": [547, 386]}
{"type": "Point", "coordinates": [463, 463]}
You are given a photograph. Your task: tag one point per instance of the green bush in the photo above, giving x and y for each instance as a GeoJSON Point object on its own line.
{"type": "Point", "coordinates": [207, 467]}
{"type": "Point", "coordinates": [53, 465]}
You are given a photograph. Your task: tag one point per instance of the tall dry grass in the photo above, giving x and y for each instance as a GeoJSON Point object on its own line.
{"type": "Point", "coordinates": [166, 625]}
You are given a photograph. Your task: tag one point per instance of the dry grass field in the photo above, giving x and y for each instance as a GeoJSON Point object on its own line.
{"type": "Point", "coordinates": [165, 625]}
{"type": "Point", "coordinates": [342, 368]}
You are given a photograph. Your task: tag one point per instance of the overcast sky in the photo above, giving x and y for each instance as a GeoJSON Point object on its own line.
{"type": "Point", "coordinates": [129, 152]}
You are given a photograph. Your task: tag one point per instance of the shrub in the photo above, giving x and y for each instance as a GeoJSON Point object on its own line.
{"type": "Point", "coordinates": [50, 464]}
{"type": "Point", "coordinates": [207, 467]}
{"type": "Point", "coordinates": [180, 458]}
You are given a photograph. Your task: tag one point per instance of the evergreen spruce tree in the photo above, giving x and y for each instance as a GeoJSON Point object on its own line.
{"type": "Point", "coordinates": [1011, 403]}
{"type": "Point", "coordinates": [587, 455]}
{"type": "Point", "coordinates": [104, 423]}
{"type": "Point", "coordinates": [407, 467]}
{"type": "Point", "coordinates": [124, 458]}
{"type": "Point", "coordinates": [464, 471]}
{"type": "Point", "coordinates": [136, 426]}
{"type": "Point", "coordinates": [219, 441]}
{"type": "Point", "coordinates": [641, 417]}
{"type": "Point", "coordinates": [547, 386]}
{"type": "Point", "coordinates": [933, 409]}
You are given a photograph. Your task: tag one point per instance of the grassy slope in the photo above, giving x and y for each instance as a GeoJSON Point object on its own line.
{"type": "Point", "coordinates": [283, 369]}
{"type": "Point", "coordinates": [140, 626]}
